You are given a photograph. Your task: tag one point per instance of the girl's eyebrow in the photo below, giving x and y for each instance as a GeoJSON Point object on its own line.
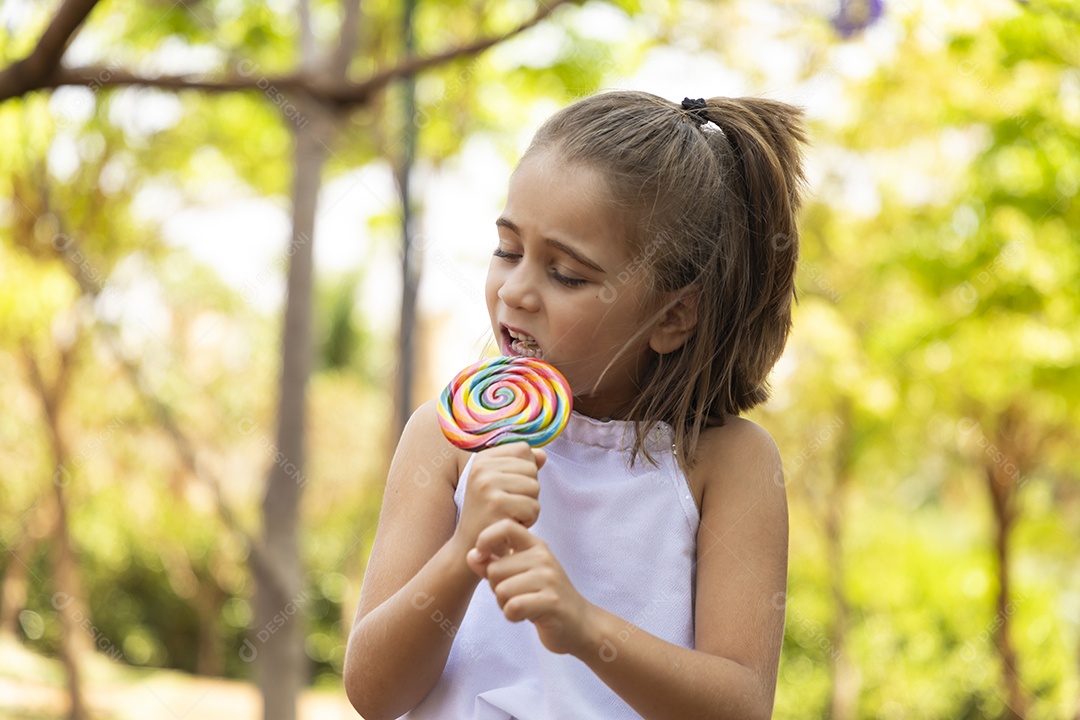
{"type": "Point", "coordinates": [558, 245]}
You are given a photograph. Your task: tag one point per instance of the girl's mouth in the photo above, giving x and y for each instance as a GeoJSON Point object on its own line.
{"type": "Point", "coordinates": [522, 345]}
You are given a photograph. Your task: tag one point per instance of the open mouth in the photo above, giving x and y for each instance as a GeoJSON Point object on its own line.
{"type": "Point", "coordinates": [522, 344]}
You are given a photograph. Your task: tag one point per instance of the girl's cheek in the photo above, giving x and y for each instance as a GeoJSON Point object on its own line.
{"type": "Point", "coordinates": [492, 283]}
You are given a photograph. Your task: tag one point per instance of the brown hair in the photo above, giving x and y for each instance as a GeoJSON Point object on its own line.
{"type": "Point", "coordinates": [711, 197]}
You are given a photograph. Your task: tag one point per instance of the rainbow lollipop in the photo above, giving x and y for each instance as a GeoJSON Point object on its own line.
{"type": "Point", "coordinates": [504, 400]}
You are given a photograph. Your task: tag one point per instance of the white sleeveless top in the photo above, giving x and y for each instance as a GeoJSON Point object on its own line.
{"type": "Point", "coordinates": [626, 538]}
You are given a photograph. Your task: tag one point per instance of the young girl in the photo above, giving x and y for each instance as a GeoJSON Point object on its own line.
{"type": "Point", "coordinates": [647, 250]}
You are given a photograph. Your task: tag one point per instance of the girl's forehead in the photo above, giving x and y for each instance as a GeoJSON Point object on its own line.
{"type": "Point", "coordinates": [551, 196]}
{"type": "Point", "coordinates": [550, 167]}
{"type": "Point", "coordinates": [570, 190]}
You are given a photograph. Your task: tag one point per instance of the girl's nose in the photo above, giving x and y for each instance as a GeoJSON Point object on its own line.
{"type": "Point", "coordinates": [519, 289]}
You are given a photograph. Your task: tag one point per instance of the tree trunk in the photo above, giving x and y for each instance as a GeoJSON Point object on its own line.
{"type": "Point", "coordinates": [1002, 486]}
{"type": "Point", "coordinates": [280, 647]}
{"type": "Point", "coordinates": [13, 591]}
{"type": "Point", "coordinates": [410, 260]}
{"type": "Point", "coordinates": [210, 598]}
{"type": "Point", "coordinates": [845, 681]}
{"type": "Point", "coordinates": [1077, 716]}
{"type": "Point", "coordinates": [844, 698]}
{"type": "Point", "coordinates": [67, 599]}
{"type": "Point", "coordinates": [13, 584]}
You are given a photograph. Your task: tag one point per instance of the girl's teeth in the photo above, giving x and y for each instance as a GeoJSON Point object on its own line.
{"type": "Point", "coordinates": [526, 349]}
{"type": "Point", "coordinates": [524, 345]}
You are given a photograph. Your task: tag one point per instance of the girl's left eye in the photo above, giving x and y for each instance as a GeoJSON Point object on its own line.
{"type": "Point", "coordinates": [568, 281]}
{"type": "Point", "coordinates": [500, 253]}
{"type": "Point", "coordinates": [555, 274]}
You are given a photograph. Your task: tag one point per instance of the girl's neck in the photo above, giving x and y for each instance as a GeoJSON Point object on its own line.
{"type": "Point", "coordinates": [599, 409]}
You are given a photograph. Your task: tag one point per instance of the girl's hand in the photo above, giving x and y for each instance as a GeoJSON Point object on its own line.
{"type": "Point", "coordinates": [502, 485]}
{"type": "Point", "coordinates": [530, 584]}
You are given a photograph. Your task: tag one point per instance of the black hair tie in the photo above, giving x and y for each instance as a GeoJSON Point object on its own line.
{"type": "Point", "coordinates": [697, 108]}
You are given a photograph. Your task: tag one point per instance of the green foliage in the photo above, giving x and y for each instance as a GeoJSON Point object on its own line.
{"type": "Point", "coordinates": [937, 341]}
{"type": "Point", "coordinates": [342, 340]}
{"type": "Point", "coordinates": [161, 345]}
{"type": "Point", "coordinates": [936, 321]}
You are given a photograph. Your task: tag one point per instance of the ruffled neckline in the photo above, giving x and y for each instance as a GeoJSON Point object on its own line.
{"type": "Point", "coordinates": [615, 434]}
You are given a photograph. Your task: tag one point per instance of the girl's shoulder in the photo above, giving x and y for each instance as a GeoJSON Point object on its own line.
{"type": "Point", "coordinates": [736, 457]}
{"type": "Point", "coordinates": [424, 443]}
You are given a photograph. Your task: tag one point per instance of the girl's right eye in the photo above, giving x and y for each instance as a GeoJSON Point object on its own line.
{"type": "Point", "coordinates": [500, 253]}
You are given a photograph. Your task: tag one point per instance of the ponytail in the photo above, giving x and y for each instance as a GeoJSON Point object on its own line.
{"type": "Point", "coordinates": [764, 136]}
{"type": "Point", "coordinates": [758, 245]}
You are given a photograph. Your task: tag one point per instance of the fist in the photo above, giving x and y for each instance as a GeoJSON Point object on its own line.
{"type": "Point", "coordinates": [502, 484]}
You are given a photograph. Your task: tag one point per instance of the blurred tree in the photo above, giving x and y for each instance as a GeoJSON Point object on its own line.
{"type": "Point", "coordinates": [935, 355]}
{"type": "Point", "coordinates": [51, 335]}
{"type": "Point", "coordinates": [928, 417]}
{"type": "Point", "coordinates": [983, 326]}
{"type": "Point", "coordinates": [342, 341]}
{"type": "Point", "coordinates": [410, 267]}
{"type": "Point", "coordinates": [985, 265]}
{"type": "Point", "coordinates": [316, 100]}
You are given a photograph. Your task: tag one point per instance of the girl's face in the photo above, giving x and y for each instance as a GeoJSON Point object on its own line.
{"type": "Point", "coordinates": [562, 286]}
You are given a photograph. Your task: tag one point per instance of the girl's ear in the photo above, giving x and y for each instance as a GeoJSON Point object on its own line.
{"type": "Point", "coordinates": [677, 323]}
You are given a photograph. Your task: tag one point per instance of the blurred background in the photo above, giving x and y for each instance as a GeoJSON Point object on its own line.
{"type": "Point", "coordinates": [240, 241]}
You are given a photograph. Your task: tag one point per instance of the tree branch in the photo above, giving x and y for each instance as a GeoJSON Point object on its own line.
{"type": "Point", "coordinates": [347, 39]}
{"type": "Point", "coordinates": [307, 37]}
{"type": "Point", "coordinates": [25, 75]}
{"type": "Point", "coordinates": [37, 380]}
{"type": "Point", "coordinates": [333, 91]}
{"type": "Point", "coordinates": [414, 65]}
{"type": "Point", "coordinates": [99, 76]}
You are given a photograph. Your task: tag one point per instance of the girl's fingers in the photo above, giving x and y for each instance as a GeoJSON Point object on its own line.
{"type": "Point", "coordinates": [527, 606]}
{"type": "Point", "coordinates": [514, 458]}
{"type": "Point", "coordinates": [519, 449]}
{"type": "Point", "coordinates": [503, 536]}
{"type": "Point", "coordinates": [524, 510]}
{"type": "Point", "coordinates": [507, 566]}
{"type": "Point", "coordinates": [477, 563]}
{"type": "Point", "coordinates": [520, 484]}
{"type": "Point", "coordinates": [521, 583]}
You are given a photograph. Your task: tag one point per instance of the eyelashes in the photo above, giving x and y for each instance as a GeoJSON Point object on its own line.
{"type": "Point", "coordinates": [555, 274]}
{"type": "Point", "coordinates": [568, 281]}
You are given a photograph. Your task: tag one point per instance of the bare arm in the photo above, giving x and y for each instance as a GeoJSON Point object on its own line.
{"type": "Point", "coordinates": [741, 580]}
{"type": "Point", "coordinates": [417, 586]}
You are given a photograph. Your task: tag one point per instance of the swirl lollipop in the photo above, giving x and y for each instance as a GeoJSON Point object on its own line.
{"type": "Point", "coordinates": [504, 400]}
